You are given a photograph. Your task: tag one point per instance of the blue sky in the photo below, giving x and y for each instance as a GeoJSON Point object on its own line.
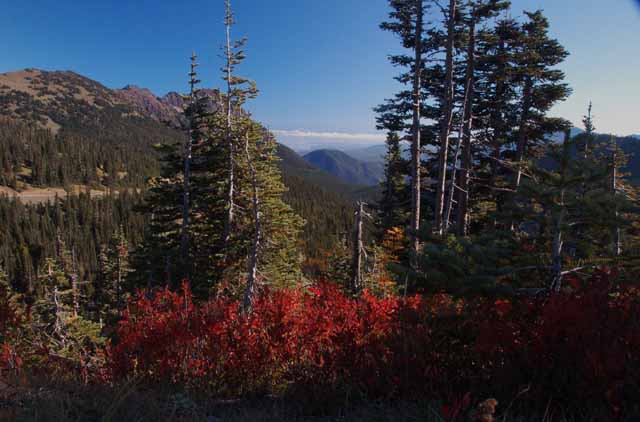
{"type": "Point", "coordinates": [320, 65]}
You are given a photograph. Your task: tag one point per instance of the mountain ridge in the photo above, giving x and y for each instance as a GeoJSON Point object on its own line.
{"type": "Point", "coordinates": [347, 168]}
{"type": "Point", "coordinates": [69, 103]}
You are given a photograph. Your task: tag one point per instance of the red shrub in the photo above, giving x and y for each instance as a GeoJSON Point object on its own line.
{"type": "Point", "coordinates": [10, 326]}
{"type": "Point", "coordinates": [581, 347]}
{"type": "Point", "coordinates": [570, 347]}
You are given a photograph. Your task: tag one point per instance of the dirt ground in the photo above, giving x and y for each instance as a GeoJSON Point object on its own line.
{"type": "Point", "coordinates": [41, 195]}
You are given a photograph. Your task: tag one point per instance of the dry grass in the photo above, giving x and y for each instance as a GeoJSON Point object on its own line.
{"type": "Point", "coordinates": [55, 400]}
{"type": "Point", "coordinates": [32, 195]}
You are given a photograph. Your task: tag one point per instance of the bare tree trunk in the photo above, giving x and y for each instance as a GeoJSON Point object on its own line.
{"type": "Point", "coordinates": [59, 324]}
{"type": "Point", "coordinates": [229, 78]}
{"type": "Point", "coordinates": [556, 252]}
{"type": "Point", "coordinates": [464, 185]}
{"type": "Point", "coordinates": [249, 293]}
{"type": "Point", "coordinates": [446, 121]}
{"type": "Point", "coordinates": [456, 158]}
{"type": "Point", "coordinates": [617, 246]}
{"type": "Point", "coordinates": [450, 200]}
{"type": "Point", "coordinates": [521, 146]}
{"type": "Point", "coordinates": [119, 280]}
{"type": "Point", "coordinates": [558, 220]}
{"type": "Point", "coordinates": [356, 267]}
{"type": "Point", "coordinates": [498, 133]}
{"type": "Point", "coordinates": [188, 155]}
{"type": "Point", "coordinates": [75, 288]}
{"type": "Point", "coordinates": [522, 133]}
{"type": "Point", "coordinates": [416, 147]}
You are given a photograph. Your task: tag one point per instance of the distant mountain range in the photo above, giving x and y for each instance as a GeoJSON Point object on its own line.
{"type": "Point", "coordinates": [168, 109]}
{"type": "Point", "coordinates": [65, 100]}
{"type": "Point", "coordinates": [372, 154]}
{"type": "Point", "coordinates": [347, 168]}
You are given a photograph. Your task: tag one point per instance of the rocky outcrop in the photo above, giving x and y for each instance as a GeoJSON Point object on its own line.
{"type": "Point", "coordinates": [147, 103]}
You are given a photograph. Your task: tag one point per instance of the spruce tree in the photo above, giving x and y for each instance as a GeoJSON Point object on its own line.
{"type": "Point", "coordinates": [541, 86]}
{"type": "Point", "coordinates": [115, 268]}
{"type": "Point", "coordinates": [478, 12]}
{"type": "Point", "coordinates": [241, 158]}
{"type": "Point", "coordinates": [446, 119]}
{"type": "Point", "coordinates": [238, 90]}
{"type": "Point", "coordinates": [168, 254]}
{"type": "Point", "coordinates": [395, 197]}
{"type": "Point", "coordinates": [496, 110]}
{"type": "Point", "coordinates": [404, 112]}
{"type": "Point", "coordinates": [574, 209]}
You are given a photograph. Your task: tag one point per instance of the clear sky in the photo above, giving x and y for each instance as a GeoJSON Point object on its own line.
{"type": "Point", "coordinates": [320, 65]}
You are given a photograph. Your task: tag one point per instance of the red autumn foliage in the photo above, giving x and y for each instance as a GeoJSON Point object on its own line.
{"type": "Point", "coordinates": [10, 325]}
{"type": "Point", "coordinates": [580, 347]}
{"type": "Point", "coordinates": [570, 347]}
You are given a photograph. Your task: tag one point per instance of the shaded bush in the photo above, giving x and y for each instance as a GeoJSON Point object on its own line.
{"type": "Point", "coordinates": [573, 348]}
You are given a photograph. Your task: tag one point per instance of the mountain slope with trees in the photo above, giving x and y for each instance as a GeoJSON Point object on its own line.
{"type": "Point", "coordinates": [346, 167]}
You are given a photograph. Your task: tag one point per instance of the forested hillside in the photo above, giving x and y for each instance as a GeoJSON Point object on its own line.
{"type": "Point", "coordinates": [346, 167]}
{"type": "Point", "coordinates": [42, 144]}
{"type": "Point", "coordinates": [59, 129]}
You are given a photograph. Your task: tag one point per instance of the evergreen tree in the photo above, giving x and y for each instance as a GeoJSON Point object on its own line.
{"type": "Point", "coordinates": [238, 90]}
{"type": "Point", "coordinates": [450, 16]}
{"type": "Point", "coordinates": [574, 210]}
{"type": "Point", "coordinates": [404, 112]}
{"type": "Point", "coordinates": [169, 251]}
{"type": "Point", "coordinates": [496, 108]}
{"type": "Point", "coordinates": [279, 226]}
{"type": "Point", "coordinates": [339, 265]}
{"type": "Point", "coordinates": [463, 266]}
{"type": "Point", "coordinates": [114, 257]}
{"type": "Point", "coordinates": [238, 175]}
{"type": "Point", "coordinates": [395, 197]}
{"type": "Point", "coordinates": [541, 87]}
{"type": "Point", "coordinates": [478, 12]}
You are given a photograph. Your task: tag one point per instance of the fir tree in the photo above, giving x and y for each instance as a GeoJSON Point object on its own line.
{"type": "Point", "coordinates": [496, 108]}
{"type": "Point", "coordinates": [115, 268]}
{"type": "Point", "coordinates": [479, 12]}
{"type": "Point", "coordinates": [450, 15]}
{"type": "Point", "coordinates": [263, 243]}
{"type": "Point", "coordinates": [542, 87]}
{"type": "Point", "coordinates": [571, 206]}
{"type": "Point", "coordinates": [169, 251]}
{"type": "Point", "coordinates": [404, 112]}
{"type": "Point", "coordinates": [238, 90]}
{"type": "Point", "coordinates": [393, 204]}
{"type": "Point", "coordinates": [339, 265]}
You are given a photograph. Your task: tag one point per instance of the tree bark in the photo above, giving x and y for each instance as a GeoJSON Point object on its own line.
{"type": "Point", "coordinates": [522, 133]}
{"type": "Point", "coordinates": [462, 225]}
{"type": "Point", "coordinates": [558, 220]}
{"type": "Point", "coordinates": [188, 155]}
{"type": "Point", "coordinates": [231, 177]}
{"type": "Point", "coordinates": [446, 121]}
{"type": "Point", "coordinates": [556, 252]}
{"type": "Point", "coordinates": [617, 246]}
{"type": "Point", "coordinates": [456, 158]}
{"type": "Point", "coordinates": [356, 266]}
{"type": "Point", "coordinates": [416, 147]}
{"type": "Point", "coordinates": [250, 289]}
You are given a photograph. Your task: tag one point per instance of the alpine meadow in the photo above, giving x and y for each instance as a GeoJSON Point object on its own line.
{"type": "Point", "coordinates": [420, 210]}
